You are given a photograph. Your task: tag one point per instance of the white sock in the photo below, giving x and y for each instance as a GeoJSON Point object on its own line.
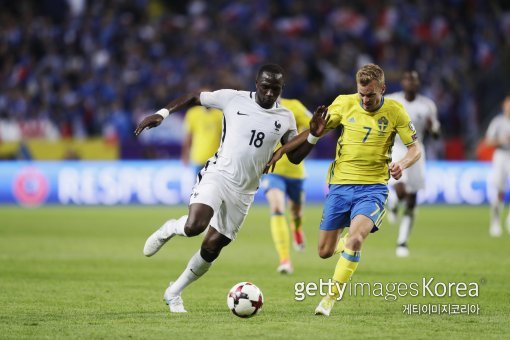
{"type": "Point", "coordinates": [196, 267]}
{"type": "Point", "coordinates": [179, 225]}
{"type": "Point", "coordinates": [496, 209]}
{"type": "Point", "coordinates": [405, 229]}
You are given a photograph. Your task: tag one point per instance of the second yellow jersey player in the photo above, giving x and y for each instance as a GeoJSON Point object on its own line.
{"type": "Point", "coordinates": [287, 180]}
{"type": "Point", "coordinates": [203, 132]}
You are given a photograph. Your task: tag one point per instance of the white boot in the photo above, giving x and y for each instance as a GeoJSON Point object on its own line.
{"type": "Point", "coordinates": [159, 238]}
{"type": "Point", "coordinates": [174, 302]}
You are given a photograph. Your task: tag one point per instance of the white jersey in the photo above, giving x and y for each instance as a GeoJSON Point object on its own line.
{"type": "Point", "coordinates": [499, 131]}
{"type": "Point", "coordinates": [421, 110]}
{"type": "Point", "coordinates": [250, 135]}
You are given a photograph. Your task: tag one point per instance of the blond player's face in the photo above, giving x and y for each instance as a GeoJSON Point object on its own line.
{"type": "Point", "coordinates": [371, 95]}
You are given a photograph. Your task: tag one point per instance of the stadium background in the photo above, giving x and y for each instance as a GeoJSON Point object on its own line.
{"type": "Point", "coordinates": [77, 76]}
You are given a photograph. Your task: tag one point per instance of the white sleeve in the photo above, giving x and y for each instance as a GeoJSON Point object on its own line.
{"type": "Point", "coordinates": [435, 124]}
{"type": "Point", "coordinates": [492, 130]}
{"type": "Point", "coordinates": [217, 99]}
{"type": "Point", "coordinates": [291, 132]}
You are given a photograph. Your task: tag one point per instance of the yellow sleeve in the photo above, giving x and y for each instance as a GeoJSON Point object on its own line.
{"type": "Point", "coordinates": [335, 113]}
{"type": "Point", "coordinates": [189, 119]}
{"type": "Point", "coordinates": [405, 127]}
{"type": "Point", "coordinates": [300, 112]}
{"type": "Point", "coordinates": [302, 116]}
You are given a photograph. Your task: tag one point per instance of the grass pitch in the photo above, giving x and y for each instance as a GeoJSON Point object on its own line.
{"type": "Point", "coordinates": [71, 272]}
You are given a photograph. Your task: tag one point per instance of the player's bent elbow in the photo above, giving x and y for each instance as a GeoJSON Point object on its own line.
{"type": "Point", "coordinates": [295, 161]}
{"type": "Point", "coordinates": [294, 158]}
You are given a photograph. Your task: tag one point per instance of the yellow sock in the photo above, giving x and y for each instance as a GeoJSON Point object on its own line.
{"type": "Point", "coordinates": [341, 244]}
{"type": "Point", "coordinates": [280, 232]}
{"type": "Point", "coordinates": [345, 267]}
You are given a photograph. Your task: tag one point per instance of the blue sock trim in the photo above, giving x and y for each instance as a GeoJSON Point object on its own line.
{"type": "Point", "coordinates": [352, 258]}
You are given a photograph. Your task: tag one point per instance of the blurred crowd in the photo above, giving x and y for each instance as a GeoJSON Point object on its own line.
{"type": "Point", "coordinates": [81, 68]}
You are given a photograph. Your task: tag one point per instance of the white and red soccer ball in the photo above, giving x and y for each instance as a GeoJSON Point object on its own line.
{"type": "Point", "coordinates": [245, 300]}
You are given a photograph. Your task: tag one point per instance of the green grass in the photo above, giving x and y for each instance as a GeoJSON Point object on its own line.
{"type": "Point", "coordinates": [68, 272]}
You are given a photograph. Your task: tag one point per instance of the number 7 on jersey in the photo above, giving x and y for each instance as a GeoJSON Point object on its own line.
{"type": "Point", "coordinates": [368, 133]}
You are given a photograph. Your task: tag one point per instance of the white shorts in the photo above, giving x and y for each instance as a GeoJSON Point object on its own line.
{"type": "Point", "coordinates": [230, 207]}
{"type": "Point", "coordinates": [412, 177]}
{"type": "Point", "coordinates": [501, 168]}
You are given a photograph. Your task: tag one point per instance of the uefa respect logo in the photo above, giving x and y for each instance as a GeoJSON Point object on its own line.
{"type": "Point", "coordinates": [390, 291]}
{"type": "Point", "coordinates": [30, 186]}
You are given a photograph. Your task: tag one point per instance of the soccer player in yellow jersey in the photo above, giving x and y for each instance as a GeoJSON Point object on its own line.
{"type": "Point", "coordinates": [203, 132]}
{"type": "Point", "coordinates": [359, 174]}
{"type": "Point", "coordinates": [287, 180]}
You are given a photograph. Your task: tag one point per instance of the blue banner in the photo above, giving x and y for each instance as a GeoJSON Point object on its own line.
{"type": "Point", "coordinates": [167, 182]}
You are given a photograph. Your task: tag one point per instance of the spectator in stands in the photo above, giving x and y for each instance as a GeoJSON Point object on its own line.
{"type": "Point", "coordinates": [72, 60]}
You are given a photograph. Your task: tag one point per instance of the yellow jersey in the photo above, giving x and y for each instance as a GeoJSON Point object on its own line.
{"type": "Point", "coordinates": [363, 151]}
{"type": "Point", "coordinates": [205, 126]}
{"type": "Point", "coordinates": [284, 167]}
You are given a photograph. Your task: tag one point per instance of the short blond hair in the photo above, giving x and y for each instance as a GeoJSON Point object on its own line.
{"type": "Point", "coordinates": [370, 72]}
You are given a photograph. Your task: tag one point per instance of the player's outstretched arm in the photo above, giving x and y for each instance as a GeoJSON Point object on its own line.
{"type": "Point", "coordinates": [318, 124]}
{"type": "Point", "coordinates": [181, 103]}
{"type": "Point", "coordinates": [299, 147]}
{"type": "Point", "coordinates": [412, 155]}
{"type": "Point", "coordinates": [293, 143]}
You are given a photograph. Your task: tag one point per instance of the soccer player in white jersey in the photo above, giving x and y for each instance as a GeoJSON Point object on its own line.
{"type": "Point", "coordinates": [253, 124]}
{"type": "Point", "coordinates": [423, 114]}
{"type": "Point", "coordinates": [498, 136]}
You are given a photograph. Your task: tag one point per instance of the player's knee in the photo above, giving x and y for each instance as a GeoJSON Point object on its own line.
{"type": "Point", "coordinates": [278, 211]}
{"type": "Point", "coordinates": [209, 254]}
{"type": "Point", "coordinates": [400, 191]}
{"type": "Point", "coordinates": [195, 225]}
{"type": "Point", "coordinates": [354, 242]}
{"type": "Point", "coordinates": [325, 251]}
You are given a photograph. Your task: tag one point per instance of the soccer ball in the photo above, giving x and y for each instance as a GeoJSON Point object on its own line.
{"type": "Point", "coordinates": [245, 300]}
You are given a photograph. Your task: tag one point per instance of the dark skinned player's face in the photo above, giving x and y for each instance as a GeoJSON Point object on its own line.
{"type": "Point", "coordinates": [410, 82]}
{"type": "Point", "coordinates": [269, 88]}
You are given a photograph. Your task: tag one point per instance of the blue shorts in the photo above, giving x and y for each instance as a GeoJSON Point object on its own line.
{"type": "Point", "coordinates": [292, 187]}
{"type": "Point", "coordinates": [345, 201]}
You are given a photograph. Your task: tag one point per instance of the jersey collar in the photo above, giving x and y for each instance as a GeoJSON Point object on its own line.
{"type": "Point", "coordinates": [380, 105]}
{"type": "Point", "coordinates": [275, 106]}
